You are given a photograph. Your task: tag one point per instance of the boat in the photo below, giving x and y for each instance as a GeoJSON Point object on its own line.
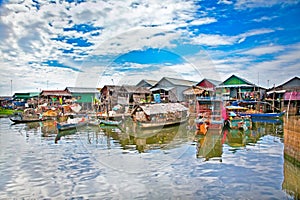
{"type": "Point", "coordinates": [256, 109]}
{"type": "Point", "coordinates": [236, 120]}
{"type": "Point", "coordinates": [159, 115]}
{"type": "Point", "coordinates": [20, 118]}
{"type": "Point", "coordinates": [240, 122]}
{"type": "Point", "coordinates": [71, 123]}
{"type": "Point", "coordinates": [264, 115]}
{"type": "Point", "coordinates": [109, 122]}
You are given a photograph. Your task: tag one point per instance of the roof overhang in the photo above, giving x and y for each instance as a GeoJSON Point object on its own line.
{"type": "Point", "coordinates": [278, 91]}
{"type": "Point", "coordinates": [162, 88]}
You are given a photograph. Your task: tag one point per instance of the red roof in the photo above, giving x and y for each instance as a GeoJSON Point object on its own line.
{"type": "Point", "coordinates": [55, 93]}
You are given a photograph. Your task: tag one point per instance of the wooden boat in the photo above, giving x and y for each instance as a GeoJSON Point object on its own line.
{"type": "Point", "coordinates": [159, 115]}
{"type": "Point", "coordinates": [17, 121]}
{"type": "Point", "coordinates": [71, 124]}
{"type": "Point", "coordinates": [240, 122]}
{"type": "Point", "coordinates": [160, 124]}
{"type": "Point", "coordinates": [236, 120]}
{"type": "Point", "coordinates": [20, 118]}
{"type": "Point", "coordinates": [110, 122]}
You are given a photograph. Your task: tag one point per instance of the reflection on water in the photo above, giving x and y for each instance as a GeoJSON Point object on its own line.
{"type": "Point", "coordinates": [95, 162]}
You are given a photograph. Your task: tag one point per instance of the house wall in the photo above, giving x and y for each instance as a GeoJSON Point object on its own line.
{"type": "Point", "coordinates": [175, 94]}
{"type": "Point", "coordinates": [85, 100]}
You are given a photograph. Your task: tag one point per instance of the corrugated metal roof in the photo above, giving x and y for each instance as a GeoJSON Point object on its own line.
{"type": "Point", "coordinates": [215, 82]}
{"type": "Point", "coordinates": [82, 90]}
{"type": "Point", "coordinates": [183, 82]}
{"type": "Point", "coordinates": [152, 109]}
{"type": "Point", "coordinates": [135, 89]}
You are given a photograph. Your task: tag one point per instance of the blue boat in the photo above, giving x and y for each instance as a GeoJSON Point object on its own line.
{"type": "Point", "coordinates": [263, 115]}
{"type": "Point", "coordinates": [71, 124]}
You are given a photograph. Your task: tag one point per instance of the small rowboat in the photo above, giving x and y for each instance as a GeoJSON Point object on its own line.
{"type": "Point", "coordinates": [19, 118]}
{"type": "Point", "coordinates": [110, 122]}
{"type": "Point", "coordinates": [17, 121]}
{"type": "Point", "coordinates": [71, 124]}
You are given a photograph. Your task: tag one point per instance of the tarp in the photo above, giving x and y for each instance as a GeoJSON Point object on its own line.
{"type": "Point", "coordinates": [292, 96]}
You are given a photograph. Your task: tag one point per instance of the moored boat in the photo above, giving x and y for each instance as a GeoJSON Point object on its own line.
{"type": "Point", "coordinates": [159, 115]}
{"type": "Point", "coordinates": [71, 124]}
{"type": "Point", "coordinates": [236, 120]}
{"type": "Point", "coordinates": [264, 115]}
{"type": "Point", "coordinates": [256, 109]}
{"type": "Point", "coordinates": [110, 122]}
{"type": "Point", "coordinates": [20, 118]}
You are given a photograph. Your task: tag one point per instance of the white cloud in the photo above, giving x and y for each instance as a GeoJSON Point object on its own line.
{"type": "Point", "coordinates": [265, 18]}
{"type": "Point", "coordinates": [274, 71]}
{"type": "Point", "coordinates": [246, 4]}
{"type": "Point", "coordinates": [202, 21]}
{"type": "Point", "coordinates": [225, 2]}
{"type": "Point", "coordinates": [263, 50]}
{"type": "Point", "coordinates": [213, 40]}
{"type": "Point", "coordinates": [219, 40]}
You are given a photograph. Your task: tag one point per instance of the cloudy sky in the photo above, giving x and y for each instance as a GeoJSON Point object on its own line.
{"type": "Point", "coordinates": [54, 44]}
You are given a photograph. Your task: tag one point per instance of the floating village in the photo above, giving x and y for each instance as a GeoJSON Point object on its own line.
{"type": "Point", "coordinates": [207, 105]}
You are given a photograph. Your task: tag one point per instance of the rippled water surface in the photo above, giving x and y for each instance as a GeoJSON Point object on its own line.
{"type": "Point", "coordinates": [111, 163]}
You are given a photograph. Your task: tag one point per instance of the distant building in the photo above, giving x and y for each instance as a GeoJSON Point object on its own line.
{"type": "Point", "coordinates": [6, 102]}
{"type": "Point", "coordinates": [54, 97]}
{"type": "Point", "coordinates": [25, 99]}
{"type": "Point", "coordinates": [84, 96]}
{"type": "Point", "coordinates": [171, 89]}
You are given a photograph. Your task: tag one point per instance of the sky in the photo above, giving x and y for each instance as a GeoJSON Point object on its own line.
{"type": "Point", "coordinates": [57, 44]}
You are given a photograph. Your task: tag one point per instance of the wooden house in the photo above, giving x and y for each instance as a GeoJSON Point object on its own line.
{"type": "Point", "coordinates": [286, 96]}
{"type": "Point", "coordinates": [85, 97]}
{"type": "Point", "coordinates": [171, 89]}
{"type": "Point", "coordinates": [146, 83]}
{"type": "Point", "coordinates": [209, 84]}
{"type": "Point", "coordinates": [130, 95]}
{"type": "Point", "coordinates": [109, 97]}
{"type": "Point", "coordinates": [236, 88]}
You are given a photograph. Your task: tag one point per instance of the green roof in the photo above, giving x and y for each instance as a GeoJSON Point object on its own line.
{"type": "Point", "coordinates": [235, 80]}
{"type": "Point", "coordinates": [25, 95]}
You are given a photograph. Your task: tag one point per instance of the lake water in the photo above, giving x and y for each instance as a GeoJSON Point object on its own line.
{"type": "Point", "coordinates": [172, 163]}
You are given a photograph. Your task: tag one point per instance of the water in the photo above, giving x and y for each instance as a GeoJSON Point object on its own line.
{"type": "Point", "coordinates": [173, 163]}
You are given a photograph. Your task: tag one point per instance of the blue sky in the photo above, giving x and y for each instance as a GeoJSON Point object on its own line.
{"type": "Point", "coordinates": [54, 44]}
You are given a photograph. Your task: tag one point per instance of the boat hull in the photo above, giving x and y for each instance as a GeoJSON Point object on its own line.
{"type": "Point", "coordinates": [110, 122]}
{"type": "Point", "coordinates": [263, 115]}
{"type": "Point", "coordinates": [149, 125]}
{"type": "Point", "coordinates": [17, 121]}
{"type": "Point", "coordinates": [69, 126]}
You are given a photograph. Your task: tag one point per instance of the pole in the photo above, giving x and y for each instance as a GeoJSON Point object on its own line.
{"type": "Point", "coordinates": [11, 87]}
{"type": "Point", "coordinates": [274, 99]}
